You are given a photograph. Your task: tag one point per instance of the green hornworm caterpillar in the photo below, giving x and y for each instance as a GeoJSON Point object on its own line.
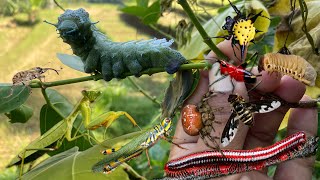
{"type": "Point", "coordinates": [114, 59]}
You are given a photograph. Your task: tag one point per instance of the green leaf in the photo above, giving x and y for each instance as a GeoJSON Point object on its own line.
{"type": "Point", "coordinates": [13, 97]}
{"type": "Point", "coordinates": [143, 3]}
{"type": "Point", "coordinates": [36, 3]}
{"type": "Point", "coordinates": [179, 89]}
{"type": "Point", "coordinates": [148, 15]}
{"type": "Point", "coordinates": [152, 14]}
{"type": "Point", "coordinates": [52, 135]}
{"type": "Point", "coordinates": [72, 61]}
{"type": "Point", "coordinates": [67, 166]}
{"type": "Point", "coordinates": [265, 45]}
{"type": "Point", "coordinates": [158, 155]}
{"type": "Point", "coordinates": [196, 79]}
{"type": "Point", "coordinates": [49, 117]}
{"type": "Point", "coordinates": [135, 10]}
{"type": "Point", "coordinates": [73, 164]}
{"type": "Point", "coordinates": [20, 115]}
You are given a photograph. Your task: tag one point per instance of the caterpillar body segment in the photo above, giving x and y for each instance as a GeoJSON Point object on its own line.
{"type": "Point", "coordinates": [291, 65]}
{"type": "Point", "coordinates": [114, 59]}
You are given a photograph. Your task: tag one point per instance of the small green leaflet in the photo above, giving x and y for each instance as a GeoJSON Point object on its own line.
{"type": "Point", "coordinates": [12, 97]}
{"type": "Point", "coordinates": [20, 115]}
{"type": "Point", "coordinates": [73, 62]}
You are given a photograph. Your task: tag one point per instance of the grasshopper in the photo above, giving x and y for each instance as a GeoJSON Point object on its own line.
{"type": "Point", "coordinates": [134, 148]}
{"type": "Point", "coordinates": [63, 129]}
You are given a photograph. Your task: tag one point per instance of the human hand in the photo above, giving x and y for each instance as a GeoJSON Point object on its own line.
{"type": "Point", "coordinates": [263, 132]}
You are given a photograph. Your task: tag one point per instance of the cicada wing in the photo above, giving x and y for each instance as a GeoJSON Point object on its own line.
{"type": "Point", "coordinates": [230, 130]}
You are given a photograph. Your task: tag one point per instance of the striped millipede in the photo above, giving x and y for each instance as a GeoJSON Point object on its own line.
{"type": "Point", "coordinates": [210, 164]}
{"type": "Point", "coordinates": [291, 65]}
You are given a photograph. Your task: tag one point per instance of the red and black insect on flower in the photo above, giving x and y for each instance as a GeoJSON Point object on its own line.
{"type": "Point", "coordinates": [241, 29]}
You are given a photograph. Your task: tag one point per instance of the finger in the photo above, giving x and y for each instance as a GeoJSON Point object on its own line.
{"type": "Point", "coordinates": [184, 139]}
{"type": "Point", "coordinates": [195, 98]}
{"type": "Point", "coordinates": [221, 101]}
{"type": "Point", "coordinates": [300, 120]}
{"type": "Point", "coordinates": [267, 124]}
{"type": "Point", "coordinates": [226, 47]}
{"type": "Point", "coordinates": [267, 82]}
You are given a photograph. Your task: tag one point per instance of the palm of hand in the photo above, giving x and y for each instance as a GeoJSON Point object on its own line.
{"type": "Point", "coordinates": [263, 131]}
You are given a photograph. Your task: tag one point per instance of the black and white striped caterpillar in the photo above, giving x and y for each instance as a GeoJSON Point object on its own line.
{"type": "Point", "coordinates": [114, 59]}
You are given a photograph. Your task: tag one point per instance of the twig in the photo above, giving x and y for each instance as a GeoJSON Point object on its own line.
{"type": "Point", "coordinates": [132, 172]}
{"type": "Point", "coordinates": [153, 99]}
{"type": "Point", "coordinates": [202, 32]}
{"type": "Point", "coordinates": [59, 5]}
{"type": "Point", "coordinates": [99, 76]}
{"type": "Point", "coordinates": [46, 97]}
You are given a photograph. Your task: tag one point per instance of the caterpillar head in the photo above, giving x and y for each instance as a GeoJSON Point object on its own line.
{"type": "Point", "coordinates": [74, 26]}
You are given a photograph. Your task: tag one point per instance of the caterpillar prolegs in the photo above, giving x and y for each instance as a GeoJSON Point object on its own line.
{"type": "Point", "coordinates": [114, 59]}
{"type": "Point", "coordinates": [291, 65]}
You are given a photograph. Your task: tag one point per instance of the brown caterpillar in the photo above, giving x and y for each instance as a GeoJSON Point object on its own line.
{"type": "Point", "coordinates": [292, 65]}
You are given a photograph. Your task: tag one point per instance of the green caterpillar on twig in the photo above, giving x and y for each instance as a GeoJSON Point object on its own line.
{"type": "Point", "coordinates": [114, 59]}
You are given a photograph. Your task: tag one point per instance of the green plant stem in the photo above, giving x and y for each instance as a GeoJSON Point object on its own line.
{"type": "Point", "coordinates": [45, 95]}
{"type": "Point", "coordinates": [132, 172]}
{"type": "Point", "coordinates": [99, 76]}
{"type": "Point", "coordinates": [153, 99]}
{"type": "Point", "coordinates": [201, 30]}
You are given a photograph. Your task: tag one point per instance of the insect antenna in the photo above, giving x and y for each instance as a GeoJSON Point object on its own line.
{"type": "Point", "coordinates": [255, 86]}
{"type": "Point", "coordinates": [55, 25]}
{"type": "Point", "coordinates": [57, 71]}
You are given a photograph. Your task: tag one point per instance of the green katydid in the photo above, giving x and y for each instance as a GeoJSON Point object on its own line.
{"type": "Point", "coordinates": [53, 138]}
